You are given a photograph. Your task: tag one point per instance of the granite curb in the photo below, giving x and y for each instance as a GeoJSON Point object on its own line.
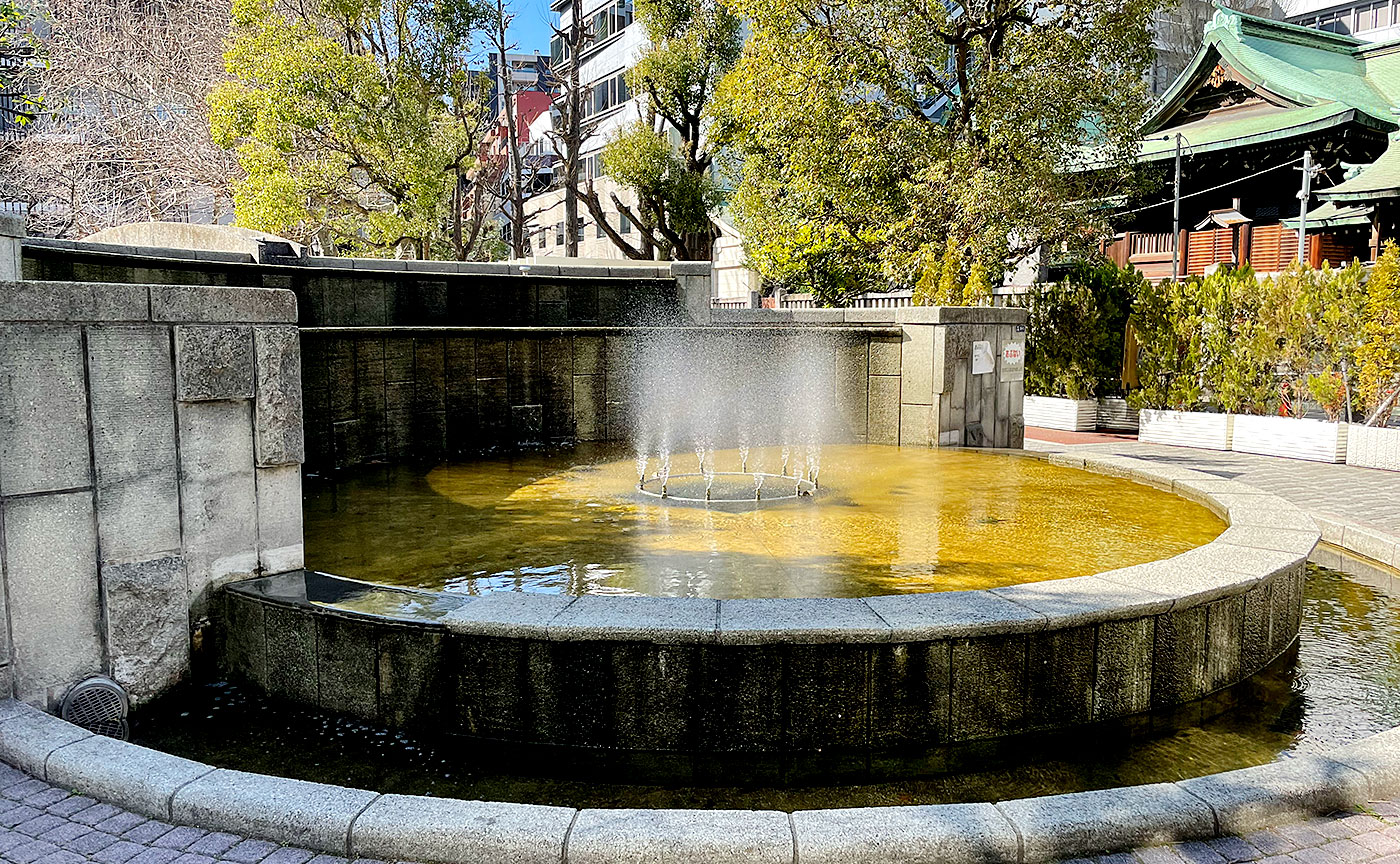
{"type": "Point", "coordinates": [360, 823]}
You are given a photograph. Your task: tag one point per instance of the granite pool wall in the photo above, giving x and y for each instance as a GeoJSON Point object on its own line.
{"type": "Point", "coordinates": [845, 678]}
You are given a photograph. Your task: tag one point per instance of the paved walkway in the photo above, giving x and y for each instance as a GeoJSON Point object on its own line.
{"type": "Point", "coordinates": [1362, 496]}
{"type": "Point", "coordinates": [42, 824]}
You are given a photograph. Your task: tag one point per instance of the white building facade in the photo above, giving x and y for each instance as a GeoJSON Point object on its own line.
{"type": "Point", "coordinates": [616, 42]}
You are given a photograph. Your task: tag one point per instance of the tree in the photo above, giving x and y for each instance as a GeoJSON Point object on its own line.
{"type": "Point", "coordinates": [571, 130]}
{"type": "Point", "coordinates": [925, 135]}
{"type": "Point", "coordinates": [120, 129]}
{"type": "Point", "coordinates": [664, 158]}
{"type": "Point", "coordinates": [355, 121]}
{"type": "Point", "coordinates": [1074, 339]}
{"type": "Point", "coordinates": [1378, 355]}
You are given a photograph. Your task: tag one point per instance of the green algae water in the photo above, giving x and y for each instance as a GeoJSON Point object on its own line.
{"type": "Point", "coordinates": [1341, 683]}
{"type": "Point", "coordinates": [883, 520]}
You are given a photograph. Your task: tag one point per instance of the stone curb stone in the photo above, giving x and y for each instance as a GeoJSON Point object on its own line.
{"type": "Point", "coordinates": [906, 835]}
{"type": "Point", "coordinates": [144, 780]}
{"type": "Point", "coordinates": [507, 614]}
{"type": "Point", "coordinates": [1283, 540]}
{"type": "Point", "coordinates": [1252, 798]}
{"type": "Point", "coordinates": [677, 836]}
{"type": "Point", "coordinates": [1107, 820]}
{"type": "Point", "coordinates": [662, 620]}
{"type": "Point", "coordinates": [953, 614]}
{"type": "Point", "coordinates": [1377, 758]}
{"type": "Point", "coordinates": [806, 621]}
{"type": "Point", "coordinates": [412, 828]}
{"type": "Point", "coordinates": [1082, 600]}
{"type": "Point", "coordinates": [28, 736]}
{"type": "Point", "coordinates": [294, 812]}
{"type": "Point", "coordinates": [1370, 543]}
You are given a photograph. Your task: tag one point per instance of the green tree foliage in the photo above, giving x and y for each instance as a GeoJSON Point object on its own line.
{"type": "Point", "coordinates": [354, 120]}
{"type": "Point", "coordinates": [920, 139]}
{"type": "Point", "coordinates": [1378, 355]}
{"type": "Point", "coordinates": [1312, 318]}
{"type": "Point", "coordinates": [1075, 336]}
{"type": "Point", "coordinates": [665, 158]}
{"type": "Point", "coordinates": [1202, 343]}
{"type": "Point", "coordinates": [18, 48]}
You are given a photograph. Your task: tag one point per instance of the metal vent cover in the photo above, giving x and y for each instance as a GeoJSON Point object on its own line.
{"type": "Point", "coordinates": [99, 705]}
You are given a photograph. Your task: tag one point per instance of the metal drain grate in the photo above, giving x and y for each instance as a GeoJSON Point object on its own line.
{"type": "Point", "coordinates": [98, 705]}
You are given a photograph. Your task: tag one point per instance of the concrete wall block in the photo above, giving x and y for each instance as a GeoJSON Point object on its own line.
{"type": "Point", "coordinates": [989, 686]}
{"type": "Point", "coordinates": [71, 301]}
{"type": "Point", "coordinates": [917, 358]}
{"type": "Point", "coordinates": [1225, 641]}
{"type": "Point", "coordinates": [280, 543]}
{"type": "Point", "coordinates": [588, 355]}
{"type": "Point", "coordinates": [1179, 673]}
{"type": "Point", "coordinates": [55, 611]}
{"type": "Point", "coordinates": [278, 430]}
{"type": "Point", "coordinates": [218, 493]}
{"type": "Point", "coordinates": [1123, 677]}
{"type": "Point", "coordinates": [885, 354]}
{"type": "Point", "coordinates": [133, 442]}
{"type": "Point", "coordinates": [883, 410]}
{"type": "Point", "coordinates": [43, 410]}
{"type": "Point", "coordinates": [148, 632]}
{"type": "Point", "coordinates": [918, 426]}
{"type": "Point", "coordinates": [213, 363]}
{"type": "Point", "coordinates": [201, 305]}
{"type": "Point", "coordinates": [590, 408]}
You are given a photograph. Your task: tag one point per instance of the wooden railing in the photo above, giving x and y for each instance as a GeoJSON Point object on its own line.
{"type": "Point", "coordinates": [1267, 248]}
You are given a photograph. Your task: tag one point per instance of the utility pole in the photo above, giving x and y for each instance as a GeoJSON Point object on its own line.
{"type": "Point", "coordinates": [1176, 214]}
{"type": "Point", "coordinates": [1303, 196]}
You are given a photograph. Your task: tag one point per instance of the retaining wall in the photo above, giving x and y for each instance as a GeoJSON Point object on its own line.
{"type": "Point", "coordinates": [150, 450]}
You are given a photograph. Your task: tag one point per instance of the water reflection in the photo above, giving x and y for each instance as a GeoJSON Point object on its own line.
{"type": "Point", "coordinates": [885, 521]}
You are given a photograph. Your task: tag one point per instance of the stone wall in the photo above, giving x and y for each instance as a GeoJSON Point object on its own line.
{"type": "Point", "coordinates": [422, 394]}
{"type": "Point", "coordinates": [150, 450]}
{"type": "Point", "coordinates": [356, 292]}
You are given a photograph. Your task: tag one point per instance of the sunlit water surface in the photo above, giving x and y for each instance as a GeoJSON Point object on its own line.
{"type": "Point", "coordinates": [885, 520]}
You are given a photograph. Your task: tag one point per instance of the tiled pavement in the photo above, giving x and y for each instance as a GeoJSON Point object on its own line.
{"type": "Point", "coordinates": [42, 824]}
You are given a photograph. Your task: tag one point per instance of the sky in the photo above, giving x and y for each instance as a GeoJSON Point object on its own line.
{"type": "Point", "coordinates": [530, 29]}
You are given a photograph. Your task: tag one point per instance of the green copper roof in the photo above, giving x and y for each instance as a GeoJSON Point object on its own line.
{"type": "Point", "coordinates": [1331, 215]}
{"type": "Point", "coordinates": [1380, 179]}
{"type": "Point", "coordinates": [1310, 79]}
{"type": "Point", "coordinates": [1225, 130]}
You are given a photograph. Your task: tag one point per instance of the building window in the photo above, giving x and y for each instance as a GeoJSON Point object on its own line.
{"type": "Point", "coordinates": [581, 226]}
{"type": "Point", "coordinates": [544, 237]}
{"type": "Point", "coordinates": [599, 229]}
{"type": "Point", "coordinates": [624, 224]}
{"type": "Point", "coordinates": [559, 234]}
{"type": "Point", "coordinates": [607, 94]}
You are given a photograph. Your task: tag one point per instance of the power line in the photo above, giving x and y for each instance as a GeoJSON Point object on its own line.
{"type": "Point", "coordinates": [1211, 189]}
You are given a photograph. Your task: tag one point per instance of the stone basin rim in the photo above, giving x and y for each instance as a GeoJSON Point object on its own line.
{"type": "Point", "coordinates": [1266, 535]}
{"type": "Point", "coordinates": [397, 827]}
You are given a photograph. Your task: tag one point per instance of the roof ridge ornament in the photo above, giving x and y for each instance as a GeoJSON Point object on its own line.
{"type": "Point", "coordinates": [1224, 19]}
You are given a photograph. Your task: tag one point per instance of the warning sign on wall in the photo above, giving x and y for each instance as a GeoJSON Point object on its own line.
{"type": "Point", "coordinates": [1013, 361]}
{"type": "Point", "coordinates": [983, 360]}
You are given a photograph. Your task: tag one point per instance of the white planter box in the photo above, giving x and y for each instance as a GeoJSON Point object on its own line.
{"type": "Point", "coordinates": [1373, 447]}
{"type": "Point", "coordinates": [1053, 412]}
{"type": "Point", "coordinates": [1186, 429]}
{"type": "Point", "coordinates": [1116, 416]}
{"type": "Point", "coordinates": [1313, 440]}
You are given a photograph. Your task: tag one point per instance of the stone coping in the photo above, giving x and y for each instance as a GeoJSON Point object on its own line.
{"type": "Point", "coordinates": [360, 823]}
{"type": "Point", "coordinates": [899, 315]}
{"type": "Point", "coordinates": [102, 302]}
{"type": "Point", "coordinates": [1266, 536]}
{"type": "Point", "coordinates": [589, 330]}
{"type": "Point", "coordinates": [167, 255]}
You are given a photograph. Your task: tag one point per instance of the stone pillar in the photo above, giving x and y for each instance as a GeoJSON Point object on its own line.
{"type": "Point", "coordinates": [962, 371]}
{"type": "Point", "coordinates": [11, 251]}
{"type": "Point", "coordinates": [695, 283]}
{"type": "Point", "coordinates": [150, 444]}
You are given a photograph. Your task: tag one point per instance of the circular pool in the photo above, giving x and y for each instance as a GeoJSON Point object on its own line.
{"type": "Point", "coordinates": [877, 520]}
